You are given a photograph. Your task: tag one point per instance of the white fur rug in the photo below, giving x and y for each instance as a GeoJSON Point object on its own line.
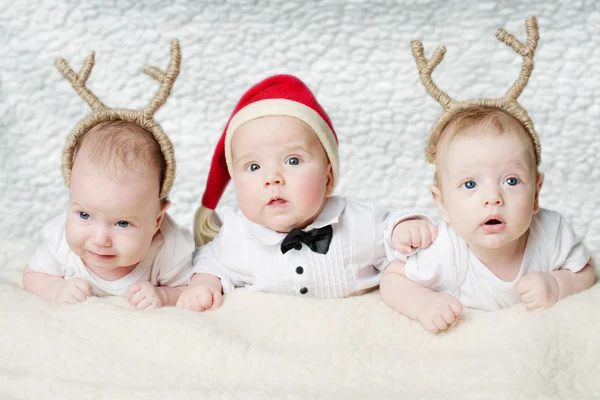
{"type": "Point", "coordinates": [260, 346]}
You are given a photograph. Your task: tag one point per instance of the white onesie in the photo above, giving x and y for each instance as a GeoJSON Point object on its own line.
{"type": "Point", "coordinates": [448, 265]}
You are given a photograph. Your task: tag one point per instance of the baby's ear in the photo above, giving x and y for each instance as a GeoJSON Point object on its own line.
{"type": "Point", "coordinates": [161, 214]}
{"type": "Point", "coordinates": [436, 193]}
{"type": "Point", "coordinates": [538, 187]}
{"type": "Point", "coordinates": [329, 185]}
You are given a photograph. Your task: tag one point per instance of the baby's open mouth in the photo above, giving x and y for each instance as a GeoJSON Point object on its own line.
{"type": "Point", "coordinates": [493, 221]}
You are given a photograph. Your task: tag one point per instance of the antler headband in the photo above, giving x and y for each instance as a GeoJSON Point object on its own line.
{"type": "Point", "coordinates": [102, 113]}
{"type": "Point", "coordinates": [507, 103]}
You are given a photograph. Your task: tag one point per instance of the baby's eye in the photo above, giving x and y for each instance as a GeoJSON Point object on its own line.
{"type": "Point", "coordinates": [512, 181]}
{"type": "Point", "coordinates": [122, 224]}
{"type": "Point", "coordinates": [293, 161]}
{"type": "Point", "coordinates": [469, 184]}
{"type": "Point", "coordinates": [253, 167]}
{"type": "Point", "coordinates": [84, 216]}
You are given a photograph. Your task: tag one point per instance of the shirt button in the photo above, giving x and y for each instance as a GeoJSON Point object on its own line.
{"type": "Point", "coordinates": [298, 246]}
{"type": "Point", "coordinates": [299, 270]}
{"type": "Point", "coordinates": [303, 290]}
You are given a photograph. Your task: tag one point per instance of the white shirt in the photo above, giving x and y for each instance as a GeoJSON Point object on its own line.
{"type": "Point", "coordinates": [448, 265]}
{"type": "Point", "coordinates": [248, 254]}
{"type": "Point", "coordinates": [167, 263]}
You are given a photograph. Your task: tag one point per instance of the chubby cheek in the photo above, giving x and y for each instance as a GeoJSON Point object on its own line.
{"type": "Point", "coordinates": [311, 190]}
{"type": "Point", "coordinates": [134, 248]}
{"type": "Point", "coordinates": [75, 236]}
{"type": "Point", "coordinates": [247, 196]}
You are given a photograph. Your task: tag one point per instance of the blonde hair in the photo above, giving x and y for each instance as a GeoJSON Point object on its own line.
{"type": "Point", "coordinates": [115, 144]}
{"type": "Point", "coordinates": [483, 121]}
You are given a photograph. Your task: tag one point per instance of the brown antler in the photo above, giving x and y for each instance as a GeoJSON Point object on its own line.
{"type": "Point", "coordinates": [508, 103]}
{"type": "Point", "coordinates": [166, 79]}
{"type": "Point", "coordinates": [426, 67]}
{"type": "Point", "coordinates": [78, 81]}
{"type": "Point", "coordinates": [525, 50]}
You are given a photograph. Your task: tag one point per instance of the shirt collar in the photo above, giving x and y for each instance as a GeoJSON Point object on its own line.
{"type": "Point", "coordinates": [328, 216]}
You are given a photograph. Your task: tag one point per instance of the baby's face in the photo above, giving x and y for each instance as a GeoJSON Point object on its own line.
{"type": "Point", "coordinates": [281, 172]}
{"type": "Point", "coordinates": [112, 216]}
{"type": "Point", "coordinates": [488, 188]}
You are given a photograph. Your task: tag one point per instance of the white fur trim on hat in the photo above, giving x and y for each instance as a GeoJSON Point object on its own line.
{"type": "Point", "coordinates": [287, 108]}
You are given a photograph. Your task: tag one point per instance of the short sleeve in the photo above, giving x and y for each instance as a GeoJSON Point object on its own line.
{"type": "Point", "coordinates": [436, 267]}
{"type": "Point", "coordinates": [391, 221]}
{"type": "Point", "coordinates": [50, 256]}
{"type": "Point", "coordinates": [209, 257]}
{"type": "Point", "coordinates": [175, 258]}
{"type": "Point", "coordinates": [569, 252]}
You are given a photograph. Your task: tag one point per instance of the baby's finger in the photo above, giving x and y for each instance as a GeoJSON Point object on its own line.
{"type": "Point", "coordinates": [133, 289]}
{"type": "Point", "coordinates": [448, 315]}
{"type": "Point", "coordinates": [439, 322]}
{"type": "Point", "coordinates": [425, 237]}
{"type": "Point", "coordinates": [217, 300]}
{"type": "Point", "coordinates": [195, 304]}
{"type": "Point", "coordinates": [71, 299]}
{"type": "Point", "coordinates": [433, 231]}
{"type": "Point", "coordinates": [84, 286]}
{"type": "Point", "coordinates": [430, 326]}
{"type": "Point", "coordinates": [527, 297]}
{"type": "Point", "coordinates": [456, 307]}
{"type": "Point", "coordinates": [205, 299]}
{"type": "Point", "coordinates": [139, 295]}
{"type": "Point", "coordinates": [153, 304]}
{"type": "Point", "coordinates": [403, 249]}
{"type": "Point", "coordinates": [523, 286]}
{"type": "Point", "coordinates": [79, 294]}
{"type": "Point", "coordinates": [530, 305]}
{"type": "Point", "coordinates": [144, 303]}
{"type": "Point", "coordinates": [415, 237]}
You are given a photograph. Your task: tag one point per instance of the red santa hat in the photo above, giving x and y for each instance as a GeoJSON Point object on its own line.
{"type": "Point", "coordinates": [279, 95]}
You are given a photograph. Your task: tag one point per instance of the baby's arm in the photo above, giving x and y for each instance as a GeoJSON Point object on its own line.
{"type": "Point", "coordinates": [570, 282]}
{"type": "Point", "coordinates": [563, 274]}
{"type": "Point", "coordinates": [434, 310]}
{"type": "Point", "coordinates": [205, 292]}
{"type": "Point", "coordinates": [55, 288]}
{"type": "Point", "coordinates": [412, 234]}
{"type": "Point", "coordinates": [540, 290]}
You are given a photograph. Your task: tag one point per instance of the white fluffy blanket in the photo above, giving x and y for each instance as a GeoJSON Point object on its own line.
{"type": "Point", "coordinates": [267, 346]}
{"type": "Point", "coordinates": [356, 58]}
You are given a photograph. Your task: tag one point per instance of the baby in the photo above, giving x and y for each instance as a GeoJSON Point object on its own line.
{"type": "Point", "coordinates": [496, 246]}
{"type": "Point", "coordinates": [291, 236]}
{"type": "Point", "coordinates": [115, 237]}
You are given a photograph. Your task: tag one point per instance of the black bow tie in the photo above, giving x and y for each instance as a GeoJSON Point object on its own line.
{"type": "Point", "coordinates": [316, 239]}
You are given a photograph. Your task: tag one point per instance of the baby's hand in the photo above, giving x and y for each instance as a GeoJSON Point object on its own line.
{"type": "Point", "coordinates": [538, 290]}
{"type": "Point", "coordinates": [200, 297]}
{"type": "Point", "coordinates": [411, 234]}
{"type": "Point", "coordinates": [438, 311]}
{"type": "Point", "coordinates": [144, 296]}
{"type": "Point", "coordinates": [72, 291]}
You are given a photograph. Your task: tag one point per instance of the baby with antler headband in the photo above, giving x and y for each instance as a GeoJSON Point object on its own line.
{"type": "Point", "coordinates": [291, 235]}
{"type": "Point", "coordinates": [495, 247]}
{"type": "Point", "coordinates": [115, 237]}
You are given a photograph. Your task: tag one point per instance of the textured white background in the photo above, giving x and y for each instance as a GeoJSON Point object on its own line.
{"type": "Point", "coordinates": [354, 55]}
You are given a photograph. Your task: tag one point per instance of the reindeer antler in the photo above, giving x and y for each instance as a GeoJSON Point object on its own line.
{"type": "Point", "coordinates": [78, 81]}
{"type": "Point", "coordinates": [508, 103]}
{"type": "Point", "coordinates": [525, 50]}
{"type": "Point", "coordinates": [143, 118]}
{"type": "Point", "coordinates": [166, 79]}
{"type": "Point", "coordinates": [426, 67]}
